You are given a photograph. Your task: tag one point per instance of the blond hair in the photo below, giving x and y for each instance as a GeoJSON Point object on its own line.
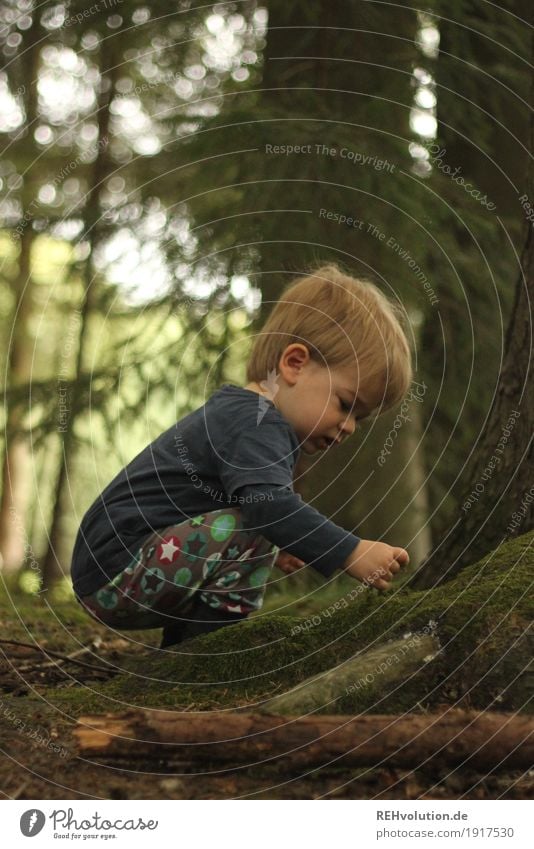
{"type": "Point", "coordinates": [341, 320]}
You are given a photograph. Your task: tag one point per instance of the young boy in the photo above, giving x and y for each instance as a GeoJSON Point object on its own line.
{"type": "Point", "coordinates": [186, 535]}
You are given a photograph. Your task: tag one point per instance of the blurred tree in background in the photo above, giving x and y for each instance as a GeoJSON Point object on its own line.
{"type": "Point", "coordinates": [93, 122]}
{"type": "Point", "coordinates": [168, 168]}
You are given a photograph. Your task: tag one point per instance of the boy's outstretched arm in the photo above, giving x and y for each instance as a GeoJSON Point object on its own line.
{"type": "Point", "coordinates": [294, 526]}
{"type": "Point", "coordinates": [305, 535]}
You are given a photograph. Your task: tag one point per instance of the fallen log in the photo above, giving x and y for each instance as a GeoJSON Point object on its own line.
{"type": "Point", "coordinates": [484, 741]}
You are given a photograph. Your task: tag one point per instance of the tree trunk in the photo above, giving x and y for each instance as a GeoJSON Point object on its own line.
{"type": "Point", "coordinates": [482, 88]}
{"type": "Point", "coordinates": [319, 87]}
{"type": "Point", "coordinates": [484, 741]}
{"type": "Point", "coordinates": [418, 538]}
{"type": "Point", "coordinates": [499, 500]}
{"type": "Point", "coordinates": [16, 461]}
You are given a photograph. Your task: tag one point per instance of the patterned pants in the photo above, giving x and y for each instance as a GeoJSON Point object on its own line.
{"type": "Point", "coordinates": [212, 555]}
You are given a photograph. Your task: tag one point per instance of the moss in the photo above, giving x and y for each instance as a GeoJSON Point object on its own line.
{"type": "Point", "coordinates": [482, 617]}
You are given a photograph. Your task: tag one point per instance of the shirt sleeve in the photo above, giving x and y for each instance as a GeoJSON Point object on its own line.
{"type": "Point", "coordinates": [280, 514]}
{"type": "Point", "coordinates": [259, 454]}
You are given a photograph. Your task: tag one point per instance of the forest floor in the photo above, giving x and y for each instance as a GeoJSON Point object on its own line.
{"type": "Point", "coordinates": [41, 698]}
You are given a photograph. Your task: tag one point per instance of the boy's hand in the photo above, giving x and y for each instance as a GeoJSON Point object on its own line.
{"type": "Point", "coordinates": [288, 563]}
{"type": "Point", "coordinates": [375, 563]}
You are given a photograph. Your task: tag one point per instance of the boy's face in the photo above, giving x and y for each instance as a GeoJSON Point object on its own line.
{"type": "Point", "coordinates": [323, 404]}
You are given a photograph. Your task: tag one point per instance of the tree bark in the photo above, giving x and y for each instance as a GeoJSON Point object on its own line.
{"type": "Point", "coordinates": [481, 741]}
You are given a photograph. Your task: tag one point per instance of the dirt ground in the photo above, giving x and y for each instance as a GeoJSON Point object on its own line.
{"type": "Point", "coordinates": [39, 758]}
{"type": "Point", "coordinates": [57, 664]}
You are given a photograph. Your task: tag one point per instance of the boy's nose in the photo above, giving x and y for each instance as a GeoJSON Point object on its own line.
{"type": "Point", "coordinates": [348, 426]}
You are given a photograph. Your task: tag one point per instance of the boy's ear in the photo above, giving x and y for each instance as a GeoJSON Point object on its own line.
{"type": "Point", "coordinates": [293, 359]}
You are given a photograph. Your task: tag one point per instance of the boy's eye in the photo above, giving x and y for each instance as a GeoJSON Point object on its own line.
{"type": "Point", "coordinates": [344, 406]}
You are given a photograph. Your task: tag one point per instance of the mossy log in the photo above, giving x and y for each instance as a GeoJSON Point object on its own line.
{"type": "Point", "coordinates": [396, 660]}
{"type": "Point", "coordinates": [484, 741]}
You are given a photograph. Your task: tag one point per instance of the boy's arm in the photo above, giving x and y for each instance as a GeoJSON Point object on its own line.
{"type": "Point", "coordinates": [286, 520]}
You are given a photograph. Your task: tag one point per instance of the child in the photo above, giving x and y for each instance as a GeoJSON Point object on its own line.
{"type": "Point", "coordinates": [186, 535]}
